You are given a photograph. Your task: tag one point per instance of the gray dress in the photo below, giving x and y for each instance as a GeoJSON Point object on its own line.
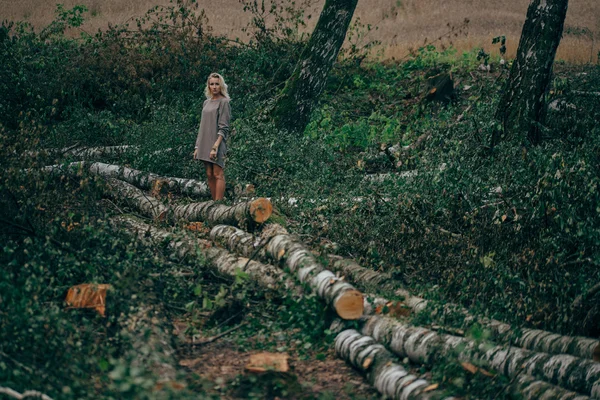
{"type": "Point", "coordinates": [215, 121]}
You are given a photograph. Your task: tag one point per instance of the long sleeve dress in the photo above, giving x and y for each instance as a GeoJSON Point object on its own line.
{"type": "Point", "coordinates": [216, 115]}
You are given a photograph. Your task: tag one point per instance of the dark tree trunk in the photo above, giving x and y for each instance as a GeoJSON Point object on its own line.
{"type": "Point", "coordinates": [522, 109]}
{"type": "Point", "coordinates": [293, 107]}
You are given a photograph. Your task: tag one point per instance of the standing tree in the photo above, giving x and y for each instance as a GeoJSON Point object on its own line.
{"type": "Point", "coordinates": [302, 90]}
{"type": "Point", "coordinates": [522, 109]}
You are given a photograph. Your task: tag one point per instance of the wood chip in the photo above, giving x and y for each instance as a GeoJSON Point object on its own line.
{"type": "Point", "coordinates": [473, 369]}
{"type": "Point", "coordinates": [88, 295]}
{"type": "Point", "coordinates": [262, 362]}
{"type": "Point", "coordinates": [196, 227]}
{"type": "Point", "coordinates": [431, 387]}
{"type": "Point", "coordinates": [367, 363]}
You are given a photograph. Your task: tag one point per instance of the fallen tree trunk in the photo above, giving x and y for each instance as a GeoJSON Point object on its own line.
{"type": "Point", "coordinates": [258, 211]}
{"type": "Point", "coordinates": [531, 339]}
{"type": "Point", "coordinates": [236, 240]}
{"type": "Point", "coordinates": [424, 346]}
{"type": "Point", "coordinates": [339, 295]}
{"type": "Point", "coordinates": [95, 152]}
{"type": "Point", "coordinates": [134, 197]}
{"type": "Point", "coordinates": [216, 258]}
{"type": "Point", "coordinates": [143, 180]}
{"type": "Point", "coordinates": [390, 379]}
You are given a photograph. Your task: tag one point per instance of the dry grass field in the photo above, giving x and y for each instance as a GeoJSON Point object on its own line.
{"type": "Point", "coordinates": [401, 24]}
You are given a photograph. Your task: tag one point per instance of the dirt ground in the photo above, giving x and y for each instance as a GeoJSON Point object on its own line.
{"type": "Point", "coordinates": [219, 368]}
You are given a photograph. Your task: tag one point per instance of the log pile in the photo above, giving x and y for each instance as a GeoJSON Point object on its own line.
{"type": "Point", "coordinates": [544, 365]}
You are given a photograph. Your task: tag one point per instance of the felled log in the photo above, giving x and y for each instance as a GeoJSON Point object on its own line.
{"type": "Point", "coordinates": [95, 152]}
{"type": "Point", "coordinates": [140, 179]}
{"type": "Point", "coordinates": [258, 211]}
{"type": "Point", "coordinates": [339, 295]}
{"type": "Point", "coordinates": [236, 240]}
{"type": "Point", "coordinates": [360, 275]}
{"type": "Point", "coordinates": [85, 152]}
{"type": "Point", "coordinates": [424, 346]}
{"type": "Point", "coordinates": [390, 379]}
{"type": "Point", "coordinates": [134, 197]}
{"type": "Point", "coordinates": [531, 339]}
{"type": "Point", "coordinates": [216, 258]}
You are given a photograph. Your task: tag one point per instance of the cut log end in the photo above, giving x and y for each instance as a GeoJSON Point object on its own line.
{"type": "Point", "coordinates": [260, 210]}
{"type": "Point", "coordinates": [596, 354]}
{"type": "Point", "coordinates": [350, 305]}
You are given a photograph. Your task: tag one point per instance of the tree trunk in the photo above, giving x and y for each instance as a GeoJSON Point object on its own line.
{"type": "Point", "coordinates": [522, 110]}
{"type": "Point", "coordinates": [424, 346]}
{"type": "Point", "coordinates": [143, 180]}
{"type": "Point", "coordinates": [135, 198]}
{"type": "Point", "coordinates": [532, 339]}
{"type": "Point", "coordinates": [268, 276]}
{"type": "Point", "coordinates": [257, 211]}
{"type": "Point", "coordinates": [295, 103]}
{"type": "Point", "coordinates": [236, 240]}
{"type": "Point", "coordinates": [389, 378]}
{"type": "Point", "coordinates": [339, 295]}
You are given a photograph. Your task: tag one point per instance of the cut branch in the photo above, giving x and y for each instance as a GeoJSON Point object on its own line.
{"type": "Point", "coordinates": [28, 393]}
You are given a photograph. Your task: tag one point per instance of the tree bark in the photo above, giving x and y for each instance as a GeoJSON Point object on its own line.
{"type": "Point", "coordinates": [134, 197]}
{"type": "Point", "coordinates": [143, 180]}
{"type": "Point", "coordinates": [390, 379]}
{"type": "Point", "coordinates": [258, 211]}
{"type": "Point", "coordinates": [424, 346]}
{"type": "Point", "coordinates": [339, 295]}
{"type": "Point", "coordinates": [531, 339]}
{"type": "Point", "coordinates": [522, 110]}
{"type": "Point", "coordinates": [295, 103]}
{"type": "Point", "coordinates": [218, 259]}
{"type": "Point", "coordinates": [236, 240]}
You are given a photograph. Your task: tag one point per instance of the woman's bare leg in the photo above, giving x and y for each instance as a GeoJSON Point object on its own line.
{"type": "Point", "coordinates": [219, 182]}
{"type": "Point", "coordinates": [210, 177]}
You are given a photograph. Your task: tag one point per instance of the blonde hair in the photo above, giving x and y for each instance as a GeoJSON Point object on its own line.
{"type": "Point", "coordinates": [222, 83]}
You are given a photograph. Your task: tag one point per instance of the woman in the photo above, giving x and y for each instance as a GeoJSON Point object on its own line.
{"type": "Point", "coordinates": [212, 136]}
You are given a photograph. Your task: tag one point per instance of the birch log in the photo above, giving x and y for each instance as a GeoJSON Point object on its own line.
{"type": "Point", "coordinates": [236, 240]}
{"type": "Point", "coordinates": [424, 346]}
{"type": "Point", "coordinates": [143, 180]}
{"type": "Point", "coordinates": [258, 210]}
{"type": "Point", "coordinates": [339, 295]}
{"type": "Point", "coordinates": [532, 339]}
{"type": "Point", "coordinates": [267, 276]}
{"type": "Point", "coordinates": [390, 379]}
{"type": "Point", "coordinates": [131, 195]}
